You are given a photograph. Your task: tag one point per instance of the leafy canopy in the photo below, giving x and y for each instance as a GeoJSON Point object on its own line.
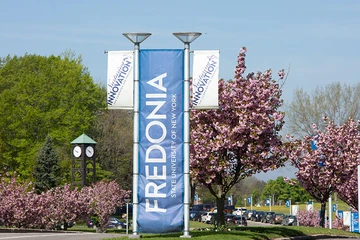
{"type": "Point", "coordinates": [42, 96]}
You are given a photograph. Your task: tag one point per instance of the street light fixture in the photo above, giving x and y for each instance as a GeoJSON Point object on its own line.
{"type": "Point", "coordinates": [187, 38]}
{"type": "Point", "coordinates": [136, 39]}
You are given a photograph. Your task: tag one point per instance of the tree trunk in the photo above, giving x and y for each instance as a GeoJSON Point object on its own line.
{"type": "Point", "coordinates": [220, 217]}
{"type": "Point", "coordinates": [65, 225]}
{"type": "Point", "coordinates": [192, 192]}
{"type": "Point", "coordinates": [322, 214]}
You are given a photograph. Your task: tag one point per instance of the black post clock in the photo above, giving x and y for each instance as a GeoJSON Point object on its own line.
{"type": "Point", "coordinates": [83, 160]}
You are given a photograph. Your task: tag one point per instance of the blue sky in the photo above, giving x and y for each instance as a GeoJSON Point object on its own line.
{"type": "Point", "coordinates": [318, 40]}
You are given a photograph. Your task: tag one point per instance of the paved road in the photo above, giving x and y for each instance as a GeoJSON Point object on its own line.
{"type": "Point", "coordinates": [57, 236]}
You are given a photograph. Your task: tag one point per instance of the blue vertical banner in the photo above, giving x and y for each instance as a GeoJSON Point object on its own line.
{"type": "Point", "coordinates": [161, 180]}
{"type": "Point", "coordinates": [354, 225]}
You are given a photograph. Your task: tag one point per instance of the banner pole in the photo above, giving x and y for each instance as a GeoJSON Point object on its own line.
{"type": "Point", "coordinates": [187, 38]}
{"type": "Point", "coordinates": [186, 140]}
{"type": "Point", "coordinates": [136, 140]}
{"type": "Point", "coordinates": [136, 39]}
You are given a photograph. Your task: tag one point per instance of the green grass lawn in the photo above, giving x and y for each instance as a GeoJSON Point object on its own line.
{"type": "Point", "coordinates": [205, 231]}
{"type": "Point", "coordinates": [249, 233]}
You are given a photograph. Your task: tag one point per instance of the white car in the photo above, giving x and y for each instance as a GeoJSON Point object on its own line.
{"type": "Point", "coordinates": [239, 211]}
{"type": "Point", "coordinates": [206, 218]}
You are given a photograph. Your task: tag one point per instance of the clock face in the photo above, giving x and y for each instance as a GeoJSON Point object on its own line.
{"type": "Point", "coordinates": [77, 151]}
{"type": "Point", "coordinates": [89, 151]}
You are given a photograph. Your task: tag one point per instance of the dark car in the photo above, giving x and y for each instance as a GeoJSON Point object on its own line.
{"type": "Point", "coordinates": [192, 214]}
{"type": "Point", "coordinates": [229, 218]}
{"type": "Point", "coordinates": [256, 217]}
{"type": "Point", "coordinates": [202, 207]}
{"type": "Point", "coordinates": [229, 209]}
{"type": "Point", "coordinates": [249, 213]}
{"type": "Point", "coordinates": [113, 223]}
{"type": "Point", "coordinates": [198, 215]}
{"type": "Point", "coordinates": [116, 223]}
{"type": "Point", "coordinates": [276, 218]}
{"type": "Point", "coordinates": [266, 217]}
{"type": "Point", "coordinates": [61, 225]}
{"type": "Point", "coordinates": [91, 223]}
{"type": "Point", "coordinates": [289, 220]}
{"type": "Point", "coordinates": [240, 221]}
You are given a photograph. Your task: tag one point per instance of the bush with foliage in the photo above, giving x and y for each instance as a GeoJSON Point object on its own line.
{"type": "Point", "coordinates": [308, 218]}
{"type": "Point", "coordinates": [21, 207]}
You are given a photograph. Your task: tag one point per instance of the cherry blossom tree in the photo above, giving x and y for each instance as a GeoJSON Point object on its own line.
{"type": "Point", "coordinates": [106, 196]}
{"type": "Point", "coordinates": [21, 207]}
{"type": "Point", "coordinates": [13, 198]}
{"type": "Point", "coordinates": [326, 160]}
{"type": "Point", "coordinates": [308, 218]}
{"type": "Point", "coordinates": [347, 186]}
{"type": "Point", "coordinates": [240, 138]}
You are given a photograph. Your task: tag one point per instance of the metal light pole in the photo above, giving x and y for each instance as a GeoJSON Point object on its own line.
{"type": "Point", "coordinates": [127, 200]}
{"type": "Point", "coordinates": [187, 38]}
{"type": "Point", "coordinates": [330, 212]}
{"type": "Point", "coordinates": [136, 38]}
{"type": "Point", "coordinates": [358, 175]}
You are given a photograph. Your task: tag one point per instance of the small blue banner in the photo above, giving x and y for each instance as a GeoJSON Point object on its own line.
{"type": "Point", "coordinates": [287, 203]}
{"type": "Point", "coordinates": [314, 143]}
{"type": "Point", "coordinates": [161, 180]}
{"type": "Point", "coordinates": [249, 199]}
{"type": "Point", "coordinates": [354, 225]}
{"type": "Point", "coordinates": [334, 207]}
{"type": "Point", "coordinates": [340, 214]}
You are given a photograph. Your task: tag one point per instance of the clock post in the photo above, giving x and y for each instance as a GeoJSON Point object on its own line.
{"type": "Point", "coordinates": [83, 167]}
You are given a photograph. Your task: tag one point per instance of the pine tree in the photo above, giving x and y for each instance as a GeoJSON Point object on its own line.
{"type": "Point", "coordinates": [47, 169]}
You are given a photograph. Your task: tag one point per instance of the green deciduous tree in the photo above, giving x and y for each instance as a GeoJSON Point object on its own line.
{"type": "Point", "coordinates": [114, 133]}
{"type": "Point", "coordinates": [47, 169]}
{"type": "Point", "coordinates": [283, 189]}
{"type": "Point", "coordinates": [42, 96]}
{"type": "Point", "coordinates": [338, 102]}
{"type": "Point", "coordinates": [249, 187]}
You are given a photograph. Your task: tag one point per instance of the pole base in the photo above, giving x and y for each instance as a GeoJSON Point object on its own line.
{"type": "Point", "coordinates": [186, 236]}
{"type": "Point", "coordinates": [134, 236]}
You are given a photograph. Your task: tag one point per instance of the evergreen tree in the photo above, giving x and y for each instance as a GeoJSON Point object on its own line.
{"type": "Point", "coordinates": [47, 169]}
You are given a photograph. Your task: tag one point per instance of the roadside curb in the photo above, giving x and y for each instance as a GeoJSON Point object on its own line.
{"type": "Point", "coordinates": [27, 230]}
{"type": "Point", "coordinates": [315, 237]}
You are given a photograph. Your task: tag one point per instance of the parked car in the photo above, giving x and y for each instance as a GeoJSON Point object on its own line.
{"type": "Point", "coordinates": [289, 220]}
{"type": "Point", "coordinates": [207, 217]}
{"type": "Point", "coordinates": [113, 223]}
{"type": "Point", "coordinates": [192, 214]}
{"type": "Point", "coordinates": [202, 207]}
{"type": "Point", "coordinates": [197, 217]}
{"type": "Point", "coordinates": [229, 208]}
{"type": "Point", "coordinates": [229, 218]}
{"type": "Point", "coordinates": [266, 217]}
{"type": "Point", "coordinates": [239, 211]}
{"type": "Point", "coordinates": [240, 220]}
{"type": "Point", "coordinates": [248, 214]}
{"type": "Point", "coordinates": [256, 217]}
{"type": "Point", "coordinates": [91, 223]}
{"type": "Point", "coordinates": [276, 218]}
{"type": "Point", "coordinates": [61, 225]}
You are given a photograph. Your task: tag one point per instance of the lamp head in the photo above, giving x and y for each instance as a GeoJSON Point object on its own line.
{"type": "Point", "coordinates": [137, 38]}
{"type": "Point", "coordinates": [187, 37]}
